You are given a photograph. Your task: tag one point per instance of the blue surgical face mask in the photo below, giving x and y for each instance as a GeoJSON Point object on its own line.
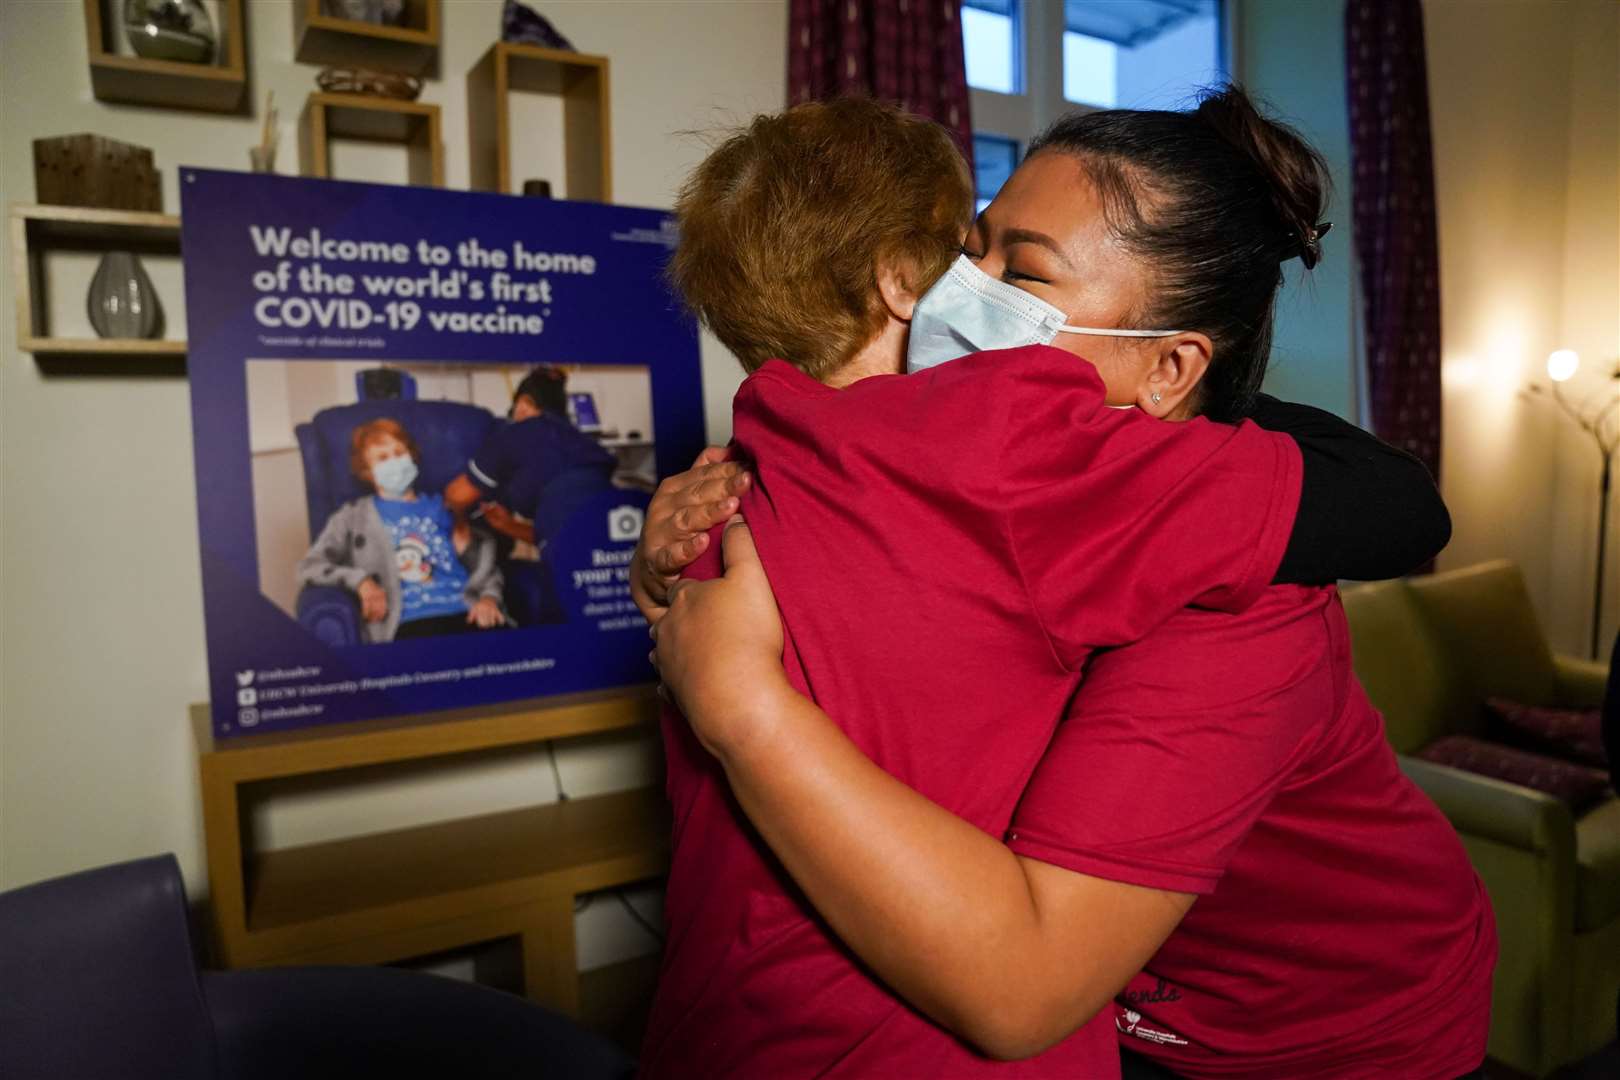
{"type": "Point", "coordinates": [969, 311]}
{"type": "Point", "coordinates": [394, 476]}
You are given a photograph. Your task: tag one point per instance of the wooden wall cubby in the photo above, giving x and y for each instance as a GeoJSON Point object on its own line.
{"type": "Point", "coordinates": [580, 80]}
{"type": "Point", "coordinates": [137, 80]}
{"type": "Point", "coordinates": [38, 230]}
{"type": "Point", "coordinates": [425, 889]}
{"type": "Point", "coordinates": [411, 48]}
{"type": "Point", "coordinates": [371, 119]}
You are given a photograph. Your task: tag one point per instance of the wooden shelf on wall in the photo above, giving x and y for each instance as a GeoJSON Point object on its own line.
{"type": "Point", "coordinates": [136, 80]}
{"type": "Point", "coordinates": [394, 895]}
{"type": "Point", "coordinates": [413, 48]}
{"type": "Point", "coordinates": [371, 119]}
{"type": "Point", "coordinates": [38, 229]}
{"type": "Point", "coordinates": [581, 81]}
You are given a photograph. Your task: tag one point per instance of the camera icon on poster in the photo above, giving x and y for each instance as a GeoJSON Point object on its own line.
{"type": "Point", "coordinates": [247, 697]}
{"type": "Point", "coordinates": [247, 717]}
{"type": "Point", "coordinates": [624, 523]}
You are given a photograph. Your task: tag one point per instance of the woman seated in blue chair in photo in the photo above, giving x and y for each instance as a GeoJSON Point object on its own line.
{"type": "Point", "coordinates": [416, 570]}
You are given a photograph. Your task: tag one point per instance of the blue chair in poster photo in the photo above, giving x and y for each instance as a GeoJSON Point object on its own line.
{"type": "Point", "coordinates": [447, 434]}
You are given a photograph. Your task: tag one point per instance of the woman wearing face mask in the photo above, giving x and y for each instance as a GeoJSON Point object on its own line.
{"type": "Point", "coordinates": [1216, 855]}
{"type": "Point", "coordinates": [414, 571]}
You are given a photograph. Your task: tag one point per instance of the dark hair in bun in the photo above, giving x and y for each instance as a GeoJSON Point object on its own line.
{"type": "Point", "coordinates": [1213, 200]}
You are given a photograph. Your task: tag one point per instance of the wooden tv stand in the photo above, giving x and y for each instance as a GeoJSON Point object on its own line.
{"type": "Point", "coordinates": [413, 891]}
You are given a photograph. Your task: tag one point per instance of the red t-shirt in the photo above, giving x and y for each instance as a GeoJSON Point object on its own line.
{"type": "Point", "coordinates": [1339, 930]}
{"type": "Point", "coordinates": [946, 549]}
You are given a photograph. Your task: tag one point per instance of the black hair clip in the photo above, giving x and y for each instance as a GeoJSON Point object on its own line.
{"type": "Point", "coordinates": [1310, 245]}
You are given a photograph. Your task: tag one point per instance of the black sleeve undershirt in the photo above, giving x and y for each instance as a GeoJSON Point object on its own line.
{"type": "Point", "coordinates": [1367, 511]}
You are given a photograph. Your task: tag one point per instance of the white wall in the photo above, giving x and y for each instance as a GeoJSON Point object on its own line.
{"type": "Point", "coordinates": [101, 642]}
{"type": "Point", "coordinates": [1525, 97]}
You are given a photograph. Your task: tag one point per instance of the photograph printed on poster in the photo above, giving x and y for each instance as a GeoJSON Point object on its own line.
{"type": "Point", "coordinates": [418, 499]}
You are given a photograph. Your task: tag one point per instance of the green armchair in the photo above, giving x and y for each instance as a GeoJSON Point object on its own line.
{"type": "Point", "coordinates": [1429, 651]}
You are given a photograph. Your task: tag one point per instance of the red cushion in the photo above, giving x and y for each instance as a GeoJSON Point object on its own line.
{"type": "Point", "coordinates": [1578, 785]}
{"type": "Point", "coordinates": [1572, 734]}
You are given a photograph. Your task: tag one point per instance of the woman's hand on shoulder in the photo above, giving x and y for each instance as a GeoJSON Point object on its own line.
{"type": "Point", "coordinates": [683, 510]}
{"type": "Point", "coordinates": [718, 649]}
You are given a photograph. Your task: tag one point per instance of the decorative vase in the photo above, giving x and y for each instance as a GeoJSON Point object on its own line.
{"type": "Point", "coordinates": [170, 30]}
{"type": "Point", "coordinates": [122, 302]}
{"type": "Point", "coordinates": [526, 26]}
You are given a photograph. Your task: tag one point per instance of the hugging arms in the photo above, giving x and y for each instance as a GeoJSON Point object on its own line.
{"type": "Point", "coordinates": [947, 551]}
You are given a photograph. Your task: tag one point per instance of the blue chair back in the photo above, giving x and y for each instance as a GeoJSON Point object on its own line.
{"type": "Point", "coordinates": [97, 978]}
{"type": "Point", "coordinates": [446, 433]}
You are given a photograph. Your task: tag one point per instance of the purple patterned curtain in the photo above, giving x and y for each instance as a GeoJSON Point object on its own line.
{"type": "Point", "coordinates": [905, 51]}
{"type": "Point", "coordinates": [1388, 90]}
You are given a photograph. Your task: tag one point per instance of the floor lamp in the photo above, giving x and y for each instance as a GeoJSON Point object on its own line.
{"type": "Point", "coordinates": [1603, 425]}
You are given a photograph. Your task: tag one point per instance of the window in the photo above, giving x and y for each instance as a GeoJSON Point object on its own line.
{"type": "Point", "coordinates": [1030, 62]}
{"type": "Point", "coordinates": [1140, 54]}
{"type": "Point", "coordinates": [990, 40]}
{"type": "Point", "coordinates": [994, 159]}
{"type": "Point", "coordinates": [1090, 70]}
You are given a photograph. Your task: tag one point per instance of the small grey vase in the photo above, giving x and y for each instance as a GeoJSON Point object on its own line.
{"type": "Point", "coordinates": [122, 302]}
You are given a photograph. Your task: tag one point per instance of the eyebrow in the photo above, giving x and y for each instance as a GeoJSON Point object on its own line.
{"type": "Point", "coordinates": [1022, 236]}
{"type": "Point", "coordinates": [1040, 239]}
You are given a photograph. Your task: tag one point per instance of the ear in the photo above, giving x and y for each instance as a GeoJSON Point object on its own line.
{"type": "Point", "coordinates": [894, 277]}
{"type": "Point", "coordinates": [1177, 370]}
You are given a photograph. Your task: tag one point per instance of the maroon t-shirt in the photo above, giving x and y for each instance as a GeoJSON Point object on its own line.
{"type": "Point", "coordinates": [1340, 930]}
{"type": "Point", "coordinates": [946, 549]}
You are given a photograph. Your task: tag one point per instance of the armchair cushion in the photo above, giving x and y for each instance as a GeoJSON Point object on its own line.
{"type": "Point", "coordinates": [1597, 866]}
{"type": "Point", "coordinates": [1483, 619]}
{"type": "Point", "coordinates": [1578, 785]}
{"type": "Point", "coordinates": [1404, 670]}
{"type": "Point", "coordinates": [1494, 810]}
{"type": "Point", "coordinates": [1581, 683]}
{"type": "Point", "coordinates": [1572, 734]}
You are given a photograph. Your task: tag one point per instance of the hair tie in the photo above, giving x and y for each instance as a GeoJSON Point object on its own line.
{"type": "Point", "coordinates": [1310, 244]}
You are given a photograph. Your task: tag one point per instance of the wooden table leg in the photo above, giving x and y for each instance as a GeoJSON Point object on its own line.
{"type": "Point", "coordinates": [549, 973]}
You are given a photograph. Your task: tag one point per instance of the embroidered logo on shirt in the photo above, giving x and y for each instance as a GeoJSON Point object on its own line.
{"type": "Point", "coordinates": [1130, 1022]}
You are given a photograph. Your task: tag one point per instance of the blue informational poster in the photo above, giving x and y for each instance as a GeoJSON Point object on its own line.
{"type": "Point", "coordinates": [427, 425]}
